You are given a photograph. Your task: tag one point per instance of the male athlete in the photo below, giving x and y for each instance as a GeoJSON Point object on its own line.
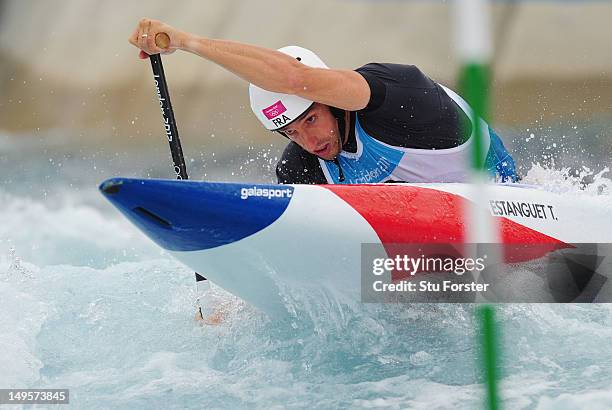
{"type": "Point", "coordinates": [378, 123]}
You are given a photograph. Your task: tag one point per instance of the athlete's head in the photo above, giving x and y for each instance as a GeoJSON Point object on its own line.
{"type": "Point", "coordinates": [311, 125]}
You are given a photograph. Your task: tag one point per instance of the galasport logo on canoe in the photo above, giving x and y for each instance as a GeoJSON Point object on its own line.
{"type": "Point", "coordinates": [275, 113]}
{"type": "Point", "coordinates": [269, 193]}
{"type": "Point", "coordinates": [161, 107]}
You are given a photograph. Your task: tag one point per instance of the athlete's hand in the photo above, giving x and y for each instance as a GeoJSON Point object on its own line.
{"type": "Point", "coordinates": [154, 37]}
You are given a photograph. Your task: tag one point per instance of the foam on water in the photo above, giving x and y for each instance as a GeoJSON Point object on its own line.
{"type": "Point", "coordinates": [570, 181]}
{"type": "Point", "coordinates": [66, 231]}
{"type": "Point", "coordinates": [88, 303]}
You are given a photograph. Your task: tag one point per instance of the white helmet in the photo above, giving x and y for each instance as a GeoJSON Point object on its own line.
{"type": "Point", "coordinates": [276, 110]}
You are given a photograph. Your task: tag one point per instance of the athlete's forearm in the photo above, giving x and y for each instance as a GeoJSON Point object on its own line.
{"type": "Point", "coordinates": [276, 71]}
{"type": "Point", "coordinates": [266, 68]}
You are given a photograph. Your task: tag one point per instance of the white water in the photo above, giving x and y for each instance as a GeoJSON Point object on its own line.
{"type": "Point", "coordinates": [87, 303]}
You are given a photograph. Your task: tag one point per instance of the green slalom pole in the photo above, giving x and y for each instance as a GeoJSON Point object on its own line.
{"type": "Point", "coordinates": [474, 86]}
{"type": "Point", "coordinates": [489, 354]}
{"type": "Point", "coordinates": [475, 50]}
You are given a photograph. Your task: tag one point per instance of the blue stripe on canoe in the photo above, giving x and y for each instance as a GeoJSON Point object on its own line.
{"type": "Point", "coordinates": [192, 215]}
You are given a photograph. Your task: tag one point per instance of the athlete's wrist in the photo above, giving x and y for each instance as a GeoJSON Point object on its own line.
{"type": "Point", "coordinates": [188, 42]}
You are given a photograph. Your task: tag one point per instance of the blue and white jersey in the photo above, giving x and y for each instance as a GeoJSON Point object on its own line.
{"type": "Point", "coordinates": [376, 161]}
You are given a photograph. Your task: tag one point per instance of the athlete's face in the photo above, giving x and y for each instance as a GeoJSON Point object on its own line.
{"type": "Point", "coordinates": [316, 132]}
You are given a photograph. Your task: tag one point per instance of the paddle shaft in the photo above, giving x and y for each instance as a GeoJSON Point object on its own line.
{"type": "Point", "coordinates": [165, 105]}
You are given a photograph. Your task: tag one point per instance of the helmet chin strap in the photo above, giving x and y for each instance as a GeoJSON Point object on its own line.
{"type": "Point", "coordinates": [342, 119]}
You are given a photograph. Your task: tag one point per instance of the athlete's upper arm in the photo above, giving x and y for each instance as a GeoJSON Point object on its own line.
{"type": "Point", "coordinates": [345, 89]}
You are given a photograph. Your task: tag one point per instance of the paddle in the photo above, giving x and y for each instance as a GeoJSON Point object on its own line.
{"type": "Point", "coordinates": [163, 41]}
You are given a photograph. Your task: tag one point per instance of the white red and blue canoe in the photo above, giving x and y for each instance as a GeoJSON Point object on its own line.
{"type": "Point", "coordinates": [254, 240]}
